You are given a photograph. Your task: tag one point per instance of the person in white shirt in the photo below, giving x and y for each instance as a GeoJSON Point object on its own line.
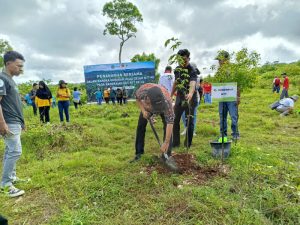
{"type": "Point", "coordinates": [167, 79]}
{"type": "Point", "coordinates": [286, 105]}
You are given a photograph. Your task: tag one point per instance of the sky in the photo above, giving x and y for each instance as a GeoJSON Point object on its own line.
{"type": "Point", "coordinates": [59, 37]}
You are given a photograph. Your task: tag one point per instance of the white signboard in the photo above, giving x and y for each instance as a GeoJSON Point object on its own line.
{"type": "Point", "coordinates": [224, 92]}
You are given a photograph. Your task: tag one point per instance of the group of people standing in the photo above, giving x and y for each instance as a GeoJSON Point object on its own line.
{"type": "Point", "coordinates": [156, 99]}
{"type": "Point", "coordinates": [42, 99]}
{"type": "Point", "coordinates": [111, 94]}
{"type": "Point", "coordinates": [285, 85]}
{"type": "Point", "coordinates": [286, 104]}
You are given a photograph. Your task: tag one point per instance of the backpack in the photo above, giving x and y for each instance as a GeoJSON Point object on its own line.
{"type": "Point", "coordinates": [277, 82]}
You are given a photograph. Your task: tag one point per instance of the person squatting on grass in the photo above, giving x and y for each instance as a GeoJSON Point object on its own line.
{"type": "Point", "coordinates": [153, 99]}
{"type": "Point", "coordinates": [63, 97]}
{"type": "Point", "coordinates": [11, 121]}
{"type": "Point", "coordinates": [43, 101]}
{"type": "Point", "coordinates": [185, 102]}
{"type": "Point", "coordinates": [285, 106]}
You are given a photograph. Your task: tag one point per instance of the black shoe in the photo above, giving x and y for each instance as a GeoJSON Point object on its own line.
{"type": "Point", "coordinates": [136, 158]}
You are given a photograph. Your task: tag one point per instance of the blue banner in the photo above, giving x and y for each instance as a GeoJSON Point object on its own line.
{"type": "Point", "coordinates": [126, 75]}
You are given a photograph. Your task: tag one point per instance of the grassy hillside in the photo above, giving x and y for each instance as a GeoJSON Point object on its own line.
{"type": "Point", "coordinates": [81, 175]}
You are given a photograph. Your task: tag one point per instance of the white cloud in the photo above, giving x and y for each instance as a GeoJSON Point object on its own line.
{"type": "Point", "coordinates": [58, 37]}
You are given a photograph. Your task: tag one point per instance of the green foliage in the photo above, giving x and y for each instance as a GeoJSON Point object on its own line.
{"type": "Point", "coordinates": [4, 47]}
{"type": "Point", "coordinates": [243, 69]}
{"type": "Point", "coordinates": [181, 84]}
{"type": "Point", "coordinates": [81, 175]}
{"type": "Point", "coordinates": [123, 15]}
{"type": "Point", "coordinates": [148, 57]}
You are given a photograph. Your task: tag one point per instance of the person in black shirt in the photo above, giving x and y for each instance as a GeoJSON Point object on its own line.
{"type": "Point", "coordinates": [186, 99]}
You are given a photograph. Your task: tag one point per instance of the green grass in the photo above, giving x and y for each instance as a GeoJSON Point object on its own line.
{"type": "Point", "coordinates": [81, 175]}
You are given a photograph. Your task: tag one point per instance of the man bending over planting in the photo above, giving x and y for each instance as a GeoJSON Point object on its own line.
{"type": "Point", "coordinates": [154, 99]}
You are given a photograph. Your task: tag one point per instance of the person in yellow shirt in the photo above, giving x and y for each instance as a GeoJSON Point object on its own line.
{"type": "Point", "coordinates": [63, 100]}
{"type": "Point", "coordinates": [43, 100]}
{"type": "Point", "coordinates": [106, 95]}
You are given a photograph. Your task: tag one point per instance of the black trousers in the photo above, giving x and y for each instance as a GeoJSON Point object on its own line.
{"type": "Point", "coordinates": [141, 131]}
{"type": "Point", "coordinates": [34, 108]}
{"type": "Point", "coordinates": [3, 221]}
{"type": "Point", "coordinates": [44, 114]}
{"type": "Point", "coordinates": [119, 100]}
{"type": "Point", "coordinates": [189, 112]}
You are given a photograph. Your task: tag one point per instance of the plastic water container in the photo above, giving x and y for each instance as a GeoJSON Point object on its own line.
{"type": "Point", "coordinates": [217, 148]}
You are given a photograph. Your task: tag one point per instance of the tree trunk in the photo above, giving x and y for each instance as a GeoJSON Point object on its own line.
{"type": "Point", "coordinates": [120, 52]}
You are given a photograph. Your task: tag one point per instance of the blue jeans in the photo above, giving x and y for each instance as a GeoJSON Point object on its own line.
{"type": "Point", "coordinates": [276, 88]}
{"type": "Point", "coordinates": [284, 93]}
{"type": "Point", "coordinates": [207, 98]}
{"type": "Point", "coordinates": [63, 106]}
{"type": "Point", "coordinates": [230, 107]}
{"type": "Point", "coordinates": [113, 100]}
{"type": "Point", "coordinates": [13, 151]}
{"type": "Point", "coordinates": [184, 121]}
{"type": "Point", "coordinates": [99, 101]}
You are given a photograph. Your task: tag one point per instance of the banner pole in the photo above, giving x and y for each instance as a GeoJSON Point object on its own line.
{"type": "Point", "coordinates": [223, 126]}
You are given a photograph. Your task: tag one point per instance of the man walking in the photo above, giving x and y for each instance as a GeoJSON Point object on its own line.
{"type": "Point", "coordinates": [285, 87]}
{"type": "Point", "coordinates": [186, 99]}
{"type": "Point", "coordinates": [11, 120]}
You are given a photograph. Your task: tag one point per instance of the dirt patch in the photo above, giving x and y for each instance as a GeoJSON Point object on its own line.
{"type": "Point", "coordinates": [189, 167]}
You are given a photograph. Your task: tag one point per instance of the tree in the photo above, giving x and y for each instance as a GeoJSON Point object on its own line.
{"type": "Point", "coordinates": [123, 16]}
{"type": "Point", "coordinates": [150, 57]}
{"type": "Point", "coordinates": [243, 69]}
{"type": "Point", "coordinates": [4, 47]}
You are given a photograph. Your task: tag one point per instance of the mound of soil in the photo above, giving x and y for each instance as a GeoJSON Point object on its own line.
{"type": "Point", "coordinates": [188, 166]}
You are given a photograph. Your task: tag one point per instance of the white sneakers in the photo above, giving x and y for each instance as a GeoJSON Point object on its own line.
{"type": "Point", "coordinates": [12, 191]}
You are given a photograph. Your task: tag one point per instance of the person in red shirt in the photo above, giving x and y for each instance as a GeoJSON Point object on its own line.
{"type": "Point", "coordinates": [207, 92]}
{"type": "Point", "coordinates": [284, 93]}
{"type": "Point", "coordinates": [276, 84]}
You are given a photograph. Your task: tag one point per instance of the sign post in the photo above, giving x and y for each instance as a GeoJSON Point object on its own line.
{"type": "Point", "coordinates": [224, 92]}
{"type": "Point", "coordinates": [126, 75]}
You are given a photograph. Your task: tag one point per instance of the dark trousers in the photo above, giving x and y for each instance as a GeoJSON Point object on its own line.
{"type": "Point", "coordinates": [44, 114]}
{"type": "Point", "coordinates": [63, 106]}
{"type": "Point", "coordinates": [119, 100]}
{"type": "Point", "coordinates": [34, 108]}
{"type": "Point", "coordinates": [141, 131]}
{"type": "Point", "coordinates": [76, 104]}
{"type": "Point", "coordinates": [124, 100]}
{"type": "Point", "coordinates": [284, 93]}
{"type": "Point", "coordinates": [113, 100]}
{"type": "Point", "coordinates": [3, 221]}
{"type": "Point", "coordinates": [106, 100]}
{"type": "Point", "coordinates": [189, 112]}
